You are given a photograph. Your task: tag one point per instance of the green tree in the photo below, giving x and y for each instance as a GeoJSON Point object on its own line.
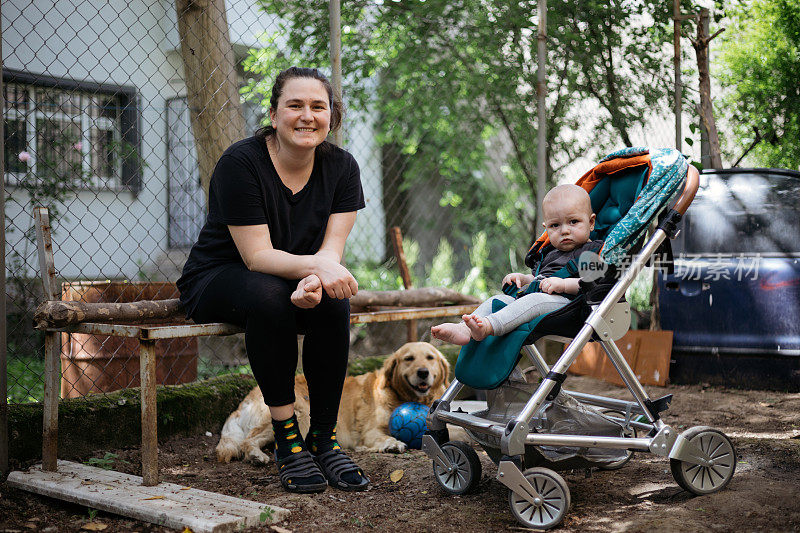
{"type": "Point", "coordinates": [456, 91]}
{"type": "Point", "coordinates": [760, 60]}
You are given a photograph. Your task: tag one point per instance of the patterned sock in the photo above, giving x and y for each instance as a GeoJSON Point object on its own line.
{"type": "Point", "coordinates": [287, 437]}
{"type": "Point", "coordinates": [322, 439]}
{"type": "Point", "coordinates": [288, 441]}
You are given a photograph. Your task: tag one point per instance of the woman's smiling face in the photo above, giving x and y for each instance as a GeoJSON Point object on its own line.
{"type": "Point", "coordinates": [302, 117]}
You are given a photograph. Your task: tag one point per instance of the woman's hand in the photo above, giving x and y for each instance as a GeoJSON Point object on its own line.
{"type": "Point", "coordinates": [520, 280]}
{"type": "Point", "coordinates": [308, 293]}
{"type": "Point", "coordinates": [336, 280]}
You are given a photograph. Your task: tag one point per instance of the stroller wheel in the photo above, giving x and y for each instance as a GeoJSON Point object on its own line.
{"type": "Point", "coordinates": [555, 500]}
{"type": "Point", "coordinates": [616, 465]}
{"type": "Point", "coordinates": [705, 479]}
{"type": "Point", "coordinates": [465, 468]}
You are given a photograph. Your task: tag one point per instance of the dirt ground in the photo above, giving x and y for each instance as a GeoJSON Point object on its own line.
{"type": "Point", "coordinates": [763, 496]}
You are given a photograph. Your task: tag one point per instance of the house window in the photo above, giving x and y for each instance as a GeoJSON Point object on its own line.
{"type": "Point", "coordinates": [66, 130]}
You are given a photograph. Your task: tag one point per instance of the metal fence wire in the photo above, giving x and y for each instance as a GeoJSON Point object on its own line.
{"type": "Point", "coordinates": [107, 107]}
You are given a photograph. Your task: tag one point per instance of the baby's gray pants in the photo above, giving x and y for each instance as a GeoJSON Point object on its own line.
{"type": "Point", "coordinates": [519, 311]}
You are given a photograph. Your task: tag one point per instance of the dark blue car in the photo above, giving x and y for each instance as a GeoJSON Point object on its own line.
{"type": "Point", "coordinates": [733, 302]}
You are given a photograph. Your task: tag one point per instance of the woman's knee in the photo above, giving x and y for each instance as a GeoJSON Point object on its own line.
{"type": "Point", "coordinates": [332, 308]}
{"type": "Point", "coordinates": [331, 315]}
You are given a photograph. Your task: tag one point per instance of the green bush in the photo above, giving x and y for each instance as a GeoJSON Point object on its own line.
{"type": "Point", "coordinates": [638, 293]}
{"type": "Point", "coordinates": [25, 379]}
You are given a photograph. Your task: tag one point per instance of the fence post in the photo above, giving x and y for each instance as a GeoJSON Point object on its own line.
{"type": "Point", "coordinates": [399, 253]}
{"type": "Point", "coordinates": [3, 325]}
{"type": "Point", "coordinates": [335, 15]}
{"type": "Point", "coordinates": [52, 344]}
{"type": "Point", "coordinates": [541, 94]}
{"type": "Point", "coordinates": [147, 375]}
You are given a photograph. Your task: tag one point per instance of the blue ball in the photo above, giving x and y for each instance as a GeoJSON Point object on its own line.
{"type": "Point", "coordinates": [407, 423]}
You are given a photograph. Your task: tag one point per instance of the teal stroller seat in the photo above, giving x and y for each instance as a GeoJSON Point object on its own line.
{"type": "Point", "coordinates": [627, 190]}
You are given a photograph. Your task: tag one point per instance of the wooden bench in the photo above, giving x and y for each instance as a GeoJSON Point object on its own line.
{"type": "Point", "coordinates": [56, 317]}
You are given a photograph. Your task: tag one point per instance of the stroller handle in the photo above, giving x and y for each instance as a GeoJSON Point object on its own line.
{"type": "Point", "coordinates": [689, 190]}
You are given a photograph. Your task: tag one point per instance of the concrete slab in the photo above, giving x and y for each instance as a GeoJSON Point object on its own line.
{"type": "Point", "coordinates": [166, 504]}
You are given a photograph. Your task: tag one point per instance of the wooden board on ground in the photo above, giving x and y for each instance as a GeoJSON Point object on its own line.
{"type": "Point", "coordinates": [647, 352]}
{"type": "Point", "coordinates": [165, 504]}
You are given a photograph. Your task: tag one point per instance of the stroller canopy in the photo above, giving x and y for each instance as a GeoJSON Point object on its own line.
{"type": "Point", "coordinates": [628, 188]}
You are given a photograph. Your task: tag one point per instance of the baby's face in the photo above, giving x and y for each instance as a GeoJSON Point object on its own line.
{"type": "Point", "coordinates": [568, 223]}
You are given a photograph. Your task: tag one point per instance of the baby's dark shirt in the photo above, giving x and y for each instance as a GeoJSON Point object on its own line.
{"type": "Point", "coordinates": [555, 259]}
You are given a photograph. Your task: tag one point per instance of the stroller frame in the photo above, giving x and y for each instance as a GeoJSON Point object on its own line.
{"type": "Point", "coordinates": [539, 497]}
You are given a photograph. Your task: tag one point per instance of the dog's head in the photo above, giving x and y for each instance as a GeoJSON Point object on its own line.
{"type": "Point", "coordinates": [417, 372]}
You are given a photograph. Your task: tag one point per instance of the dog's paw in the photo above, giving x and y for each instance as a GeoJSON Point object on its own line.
{"type": "Point", "coordinates": [392, 445]}
{"type": "Point", "coordinates": [257, 456]}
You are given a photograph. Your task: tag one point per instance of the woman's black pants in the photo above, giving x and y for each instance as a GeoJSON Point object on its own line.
{"type": "Point", "coordinates": [260, 304]}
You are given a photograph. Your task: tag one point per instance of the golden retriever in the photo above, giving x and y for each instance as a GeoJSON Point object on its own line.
{"type": "Point", "coordinates": [417, 372]}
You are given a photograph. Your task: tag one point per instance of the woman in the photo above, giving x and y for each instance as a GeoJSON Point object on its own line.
{"type": "Point", "coordinates": [281, 205]}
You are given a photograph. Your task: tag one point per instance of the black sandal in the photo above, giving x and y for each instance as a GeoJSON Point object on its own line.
{"type": "Point", "coordinates": [297, 466]}
{"type": "Point", "coordinates": [333, 464]}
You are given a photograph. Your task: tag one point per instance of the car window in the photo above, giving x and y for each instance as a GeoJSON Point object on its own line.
{"type": "Point", "coordinates": [743, 213]}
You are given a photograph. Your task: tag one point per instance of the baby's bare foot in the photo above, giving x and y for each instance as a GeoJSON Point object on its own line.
{"type": "Point", "coordinates": [479, 328]}
{"type": "Point", "coordinates": [452, 333]}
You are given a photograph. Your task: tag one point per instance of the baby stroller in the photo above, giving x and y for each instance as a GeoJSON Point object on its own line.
{"type": "Point", "coordinates": [531, 430]}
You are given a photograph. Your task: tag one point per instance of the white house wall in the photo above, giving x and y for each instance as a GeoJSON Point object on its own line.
{"type": "Point", "coordinates": [109, 234]}
{"type": "Point", "coordinates": [105, 233]}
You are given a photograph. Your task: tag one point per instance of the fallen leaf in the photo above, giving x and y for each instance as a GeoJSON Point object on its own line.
{"type": "Point", "coordinates": [279, 529]}
{"type": "Point", "coordinates": [396, 476]}
{"type": "Point", "coordinates": [187, 529]}
{"type": "Point", "coordinates": [186, 488]}
{"type": "Point", "coordinates": [94, 526]}
{"type": "Point", "coordinates": [154, 498]}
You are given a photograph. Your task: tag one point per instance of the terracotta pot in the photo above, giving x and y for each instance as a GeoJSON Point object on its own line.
{"type": "Point", "coordinates": [96, 363]}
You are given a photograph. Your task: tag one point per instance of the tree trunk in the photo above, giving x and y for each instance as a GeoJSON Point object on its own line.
{"type": "Point", "coordinates": [59, 314]}
{"type": "Point", "coordinates": [211, 87]}
{"type": "Point", "coordinates": [700, 45]}
{"type": "Point", "coordinates": [655, 309]}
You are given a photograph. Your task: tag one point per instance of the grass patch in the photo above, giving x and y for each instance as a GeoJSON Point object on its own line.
{"type": "Point", "coordinates": [25, 379]}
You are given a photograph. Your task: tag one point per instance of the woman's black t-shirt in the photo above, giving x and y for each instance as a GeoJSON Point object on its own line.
{"type": "Point", "coordinates": [246, 190]}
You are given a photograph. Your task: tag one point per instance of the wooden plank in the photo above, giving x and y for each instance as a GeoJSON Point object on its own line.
{"type": "Point", "coordinates": [189, 330]}
{"type": "Point", "coordinates": [167, 504]}
{"type": "Point", "coordinates": [52, 383]}
{"type": "Point", "coordinates": [44, 242]}
{"type": "Point", "coordinates": [655, 353]}
{"type": "Point", "coordinates": [147, 374]}
{"type": "Point", "coordinates": [629, 348]}
{"type": "Point", "coordinates": [152, 332]}
{"type": "Point", "coordinates": [647, 352]}
{"type": "Point", "coordinates": [411, 312]}
{"type": "Point", "coordinates": [405, 275]}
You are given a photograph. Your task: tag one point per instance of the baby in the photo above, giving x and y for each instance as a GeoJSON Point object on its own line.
{"type": "Point", "coordinates": [568, 220]}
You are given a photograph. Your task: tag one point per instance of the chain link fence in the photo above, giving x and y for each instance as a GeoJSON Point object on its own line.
{"type": "Point", "coordinates": [99, 126]}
